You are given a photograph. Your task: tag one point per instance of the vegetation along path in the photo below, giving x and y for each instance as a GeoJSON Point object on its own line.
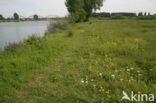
{"type": "Point", "coordinates": [94, 64]}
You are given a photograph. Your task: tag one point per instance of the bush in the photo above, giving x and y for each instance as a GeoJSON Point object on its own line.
{"type": "Point", "coordinates": [59, 24]}
{"type": "Point", "coordinates": [152, 17]}
{"type": "Point", "coordinates": [70, 33]}
{"type": "Point", "coordinates": [32, 39]}
{"type": "Point", "coordinates": [124, 14]}
{"type": "Point", "coordinates": [102, 14]}
{"type": "Point", "coordinates": [117, 17]}
{"type": "Point", "coordinates": [12, 46]}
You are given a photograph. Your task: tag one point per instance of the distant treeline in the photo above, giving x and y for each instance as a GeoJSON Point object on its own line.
{"type": "Point", "coordinates": [16, 17]}
{"type": "Point", "coordinates": [105, 14]}
{"type": "Point", "coordinates": [122, 15]}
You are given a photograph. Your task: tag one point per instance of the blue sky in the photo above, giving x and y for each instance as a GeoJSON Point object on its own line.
{"type": "Point", "coordinates": [57, 7]}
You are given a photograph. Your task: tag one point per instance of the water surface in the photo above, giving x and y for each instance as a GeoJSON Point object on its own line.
{"type": "Point", "coordinates": [14, 32]}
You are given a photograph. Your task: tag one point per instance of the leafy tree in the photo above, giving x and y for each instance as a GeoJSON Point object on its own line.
{"type": "Point", "coordinates": [16, 16]}
{"type": "Point", "coordinates": [149, 14]}
{"type": "Point", "coordinates": [145, 14]}
{"type": "Point", "coordinates": [124, 14]}
{"type": "Point", "coordinates": [35, 17]}
{"type": "Point", "coordinates": [140, 14]}
{"type": "Point", "coordinates": [90, 5]}
{"type": "Point", "coordinates": [81, 10]}
{"type": "Point", "coordinates": [101, 14]}
{"type": "Point", "coordinates": [75, 8]}
{"type": "Point", "coordinates": [1, 17]}
{"type": "Point", "coordinates": [8, 18]}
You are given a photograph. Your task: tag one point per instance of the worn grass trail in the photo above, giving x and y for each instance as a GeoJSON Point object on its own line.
{"type": "Point", "coordinates": [103, 58]}
{"type": "Point", "coordinates": [25, 94]}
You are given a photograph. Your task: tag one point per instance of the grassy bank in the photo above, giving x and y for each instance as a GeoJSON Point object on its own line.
{"type": "Point", "coordinates": [90, 62]}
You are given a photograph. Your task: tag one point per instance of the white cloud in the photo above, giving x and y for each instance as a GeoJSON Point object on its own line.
{"type": "Point", "coordinates": [130, 6]}
{"type": "Point", "coordinates": [57, 7]}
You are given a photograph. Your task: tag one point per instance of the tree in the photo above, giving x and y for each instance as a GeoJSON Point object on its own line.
{"type": "Point", "coordinates": [35, 17]}
{"type": "Point", "coordinates": [90, 5]}
{"type": "Point", "coordinates": [140, 14]}
{"type": "Point", "coordinates": [149, 14]}
{"type": "Point", "coordinates": [145, 14]}
{"type": "Point", "coordinates": [75, 8]}
{"type": "Point", "coordinates": [16, 16]}
{"type": "Point", "coordinates": [1, 17]}
{"type": "Point", "coordinates": [81, 10]}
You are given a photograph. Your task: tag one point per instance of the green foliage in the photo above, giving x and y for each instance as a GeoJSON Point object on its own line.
{"type": "Point", "coordinates": [12, 46]}
{"type": "Point", "coordinates": [93, 66]}
{"type": "Point", "coordinates": [70, 34]}
{"type": "Point", "coordinates": [124, 14]}
{"type": "Point", "coordinates": [102, 14]}
{"type": "Point", "coordinates": [35, 17]}
{"type": "Point", "coordinates": [118, 17]}
{"type": "Point", "coordinates": [57, 25]}
{"type": "Point", "coordinates": [145, 14]}
{"type": "Point", "coordinates": [81, 10]}
{"type": "Point", "coordinates": [90, 5]}
{"type": "Point", "coordinates": [152, 17]}
{"type": "Point", "coordinates": [1, 17]}
{"type": "Point", "coordinates": [149, 14]}
{"type": "Point", "coordinates": [76, 11]}
{"type": "Point", "coordinates": [16, 16]}
{"type": "Point", "coordinates": [140, 14]}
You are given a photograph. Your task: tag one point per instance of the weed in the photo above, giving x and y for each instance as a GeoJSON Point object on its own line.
{"type": "Point", "coordinates": [70, 34]}
{"type": "Point", "coordinates": [105, 58]}
{"type": "Point", "coordinates": [57, 25]}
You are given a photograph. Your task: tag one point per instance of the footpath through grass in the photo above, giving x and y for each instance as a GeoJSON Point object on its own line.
{"type": "Point", "coordinates": [101, 59]}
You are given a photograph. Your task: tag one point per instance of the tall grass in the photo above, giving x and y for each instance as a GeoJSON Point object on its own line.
{"type": "Point", "coordinates": [58, 24]}
{"type": "Point", "coordinates": [94, 64]}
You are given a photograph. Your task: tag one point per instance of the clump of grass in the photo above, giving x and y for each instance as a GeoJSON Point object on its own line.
{"type": "Point", "coordinates": [79, 27]}
{"type": "Point", "coordinates": [33, 39]}
{"type": "Point", "coordinates": [30, 41]}
{"type": "Point", "coordinates": [90, 22]}
{"type": "Point", "coordinates": [144, 30]}
{"type": "Point", "coordinates": [12, 46]}
{"type": "Point", "coordinates": [70, 34]}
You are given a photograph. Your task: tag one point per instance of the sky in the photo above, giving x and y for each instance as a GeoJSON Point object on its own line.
{"type": "Point", "coordinates": [57, 7]}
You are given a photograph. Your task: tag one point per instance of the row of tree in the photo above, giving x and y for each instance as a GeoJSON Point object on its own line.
{"type": "Point", "coordinates": [126, 14]}
{"type": "Point", "coordinates": [16, 17]}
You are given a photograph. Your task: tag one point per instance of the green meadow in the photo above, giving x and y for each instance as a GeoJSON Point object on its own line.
{"type": "Point", "coordinates": [91, 62]}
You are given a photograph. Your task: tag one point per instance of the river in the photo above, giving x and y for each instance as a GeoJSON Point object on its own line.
{"type": "Point", "coordinates": [14, 32]}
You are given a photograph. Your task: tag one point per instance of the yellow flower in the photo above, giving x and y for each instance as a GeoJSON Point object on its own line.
{"type": "Point", "coordinates": [109, 96]}
{"type": "Point", "coordinates": [130, 80]}
{"type": "Point", "coordinates": [107, 92]}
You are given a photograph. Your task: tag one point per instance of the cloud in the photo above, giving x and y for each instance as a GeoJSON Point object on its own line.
{"type": "Point", "coordinates": [130, 6]}
{"type": "Point", "coordinates": [57, 7]}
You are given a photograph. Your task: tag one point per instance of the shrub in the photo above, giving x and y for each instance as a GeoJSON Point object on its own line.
{"type": "Point", "coordinates": [152, 17]}
{"type": "Point", "coordinates": [117, 17]}
{"type": "Point", "coordinates": [32, 39]}
{"type": "Point", "coordinates": [70, 33]}
{"type": "Point", "coordinates": [124, 14]}
{"type": "Point", "coordinates": [59, 24]}
{"type": "Point", "coordinates": [102, 14]}
{"type": "Point", "coordinates": [12, 46]}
